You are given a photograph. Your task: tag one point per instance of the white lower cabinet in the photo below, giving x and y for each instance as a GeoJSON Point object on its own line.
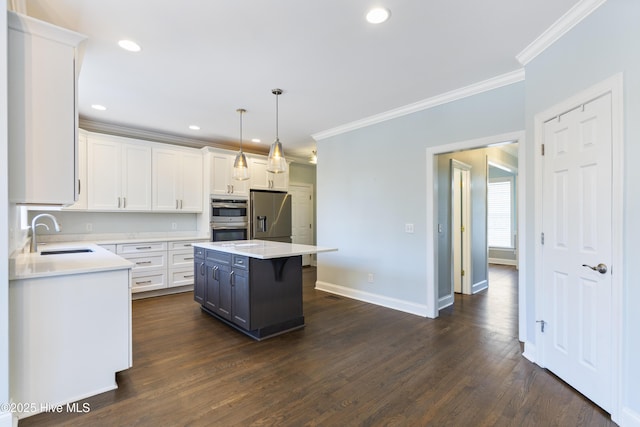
{"type": "Point", "coordinates": [150, 264]}
{"type": "Point", "coordinates": [159, 265]}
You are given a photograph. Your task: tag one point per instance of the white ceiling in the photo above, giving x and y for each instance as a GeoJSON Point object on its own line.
{"type": "Point", "coordinates": [203, 59]}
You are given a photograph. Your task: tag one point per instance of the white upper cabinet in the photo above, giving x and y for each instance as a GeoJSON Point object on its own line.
{"type": "Point", "coordinates": [177, 179]}
{"type": "Point", "coordinates": [119, 174]}
{"type": "Point", "coordinates": [43, 67]}
{"type": "Point", "coordinates": [263, 180]}
{"type": "Point", "coordinates": [222, 182]}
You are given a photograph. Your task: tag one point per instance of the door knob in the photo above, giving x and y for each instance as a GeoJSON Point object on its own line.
{"type": "Point", "coordinates": [600, 268]}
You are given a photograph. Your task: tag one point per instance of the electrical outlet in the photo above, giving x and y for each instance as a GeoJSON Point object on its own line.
{"type": "Point", "coordinates": [174, 226]}
{"type": "Point", "coordinates": [370, 278]}
{"type": "Point", "coordinates": [408, 228]}
{"type": "Point", "coordinates": [89, 226]}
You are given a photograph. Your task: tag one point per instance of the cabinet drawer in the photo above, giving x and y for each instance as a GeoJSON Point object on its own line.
{"type": "Point", "coordinates": [133, 248]}
{"type": "Point", "coordinates": [181, 277]}
{"type": "Point", "coordinates": [148, 282]}
{"type": "Point", "coordinates": [221, 257]}
{"type": "Point", "coordinates": [183, 244]}
{"type": "Point", "coordinates": [181, 258]}
{"type": "Point", "coordinates": [198, 252]}
{"type": "Point", "coordinates": [145, 262]}
{"type": "Point", "coordinates": [241, 262]}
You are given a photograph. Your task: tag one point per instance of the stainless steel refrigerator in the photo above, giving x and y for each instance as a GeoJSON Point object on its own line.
{"type": "Point", "coordinates": [270, 216]}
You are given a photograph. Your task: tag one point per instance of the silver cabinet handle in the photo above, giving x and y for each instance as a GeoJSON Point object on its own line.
{"type": "Point", "coordinates": [181, 203]}
{"type": "Point", "coordinates": [124, 202]}
{"type": "Point", "coordinates": [118, 202]}
{"type": "Point", "coordinates": [186, 259]}
{"type": "Point", "coordinates": [188, 276]}
{"type": "Point", "coordinates": [202, 268]}
{"type": "Point", "coordinates": [142, 283]}
{"type": "Point", "coordinates": [232, 279]}
{"type": "Point", "coordinates": [143, 262]}
{"type": "Point", "coordinates": [600, 268]}
{"type": "Point", "coordinates": [142, 247]}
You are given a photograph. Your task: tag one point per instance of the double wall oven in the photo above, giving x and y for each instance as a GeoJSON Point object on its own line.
{"type": "Point", "coordinates": [229, 219]}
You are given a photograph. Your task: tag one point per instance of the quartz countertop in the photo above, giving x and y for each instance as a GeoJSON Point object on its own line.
{"type": "Point", "coordinates": [25, 265]}
{"type": "Point", "coordinates": [263, 249]}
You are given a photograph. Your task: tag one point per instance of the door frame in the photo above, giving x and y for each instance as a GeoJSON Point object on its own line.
{"type": "Point", "coordinates": [309, 188]}
{"type": "Point", "coordinates": [613, 85]}
{"type": "Point", "coordinates": [465, 286]}
{"type": "Point", "coordinates": [432, 219]}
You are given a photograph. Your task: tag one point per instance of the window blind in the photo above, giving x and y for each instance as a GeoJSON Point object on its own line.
{"type": "Point", "coordinates": [499, 206]}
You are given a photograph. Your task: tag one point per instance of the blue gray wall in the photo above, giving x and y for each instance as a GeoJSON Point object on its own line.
{"type": "Point", "coordinates": [605, 43]}
{"type": "Point", "coordinates": [372, 181]}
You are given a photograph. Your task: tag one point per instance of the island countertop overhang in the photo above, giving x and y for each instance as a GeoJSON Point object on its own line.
{"type": "Point", "coordinates": [263, 249]}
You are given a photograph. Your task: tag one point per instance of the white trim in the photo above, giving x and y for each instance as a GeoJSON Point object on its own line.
{"type": "Point", "coordinates": [431, 261]}
{"type": "Point", "coordinates": [479, 286]}
{"type": "Point", "coordinates": [445, 301]}
{"type": "Point", "coordinates": [465, 211]}
{"type": "Point", "coordinates": [454, 95]}
{"type": "Point", "coordinates": [396, 304]}
{"type": "Point", "coordinates": [558, 29]}
{"type": "Point", "coordinates": [502, 261]}
{"type": "Point", "coordinates": [613, 85]}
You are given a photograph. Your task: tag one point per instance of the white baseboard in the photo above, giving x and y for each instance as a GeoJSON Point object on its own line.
{"type": "Point", "coordinates": [480, 286]}
{"type": "Point", "coordinates": [502, 261]}
{"type": "Point", "coordinates": [629, 418]}
{"type": "Point", "coordinates": [396, 304]}
{"type": "Point", "coordinates": [445, 301]}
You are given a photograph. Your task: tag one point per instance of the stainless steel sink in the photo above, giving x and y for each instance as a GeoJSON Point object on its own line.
{"type": "Point", "coordinates": [66, 251]}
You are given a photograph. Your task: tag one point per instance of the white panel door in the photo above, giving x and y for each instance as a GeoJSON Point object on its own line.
{"type": "Point", "coordinates": [577, 234]}
{"type": "Point", "coordinates": [302, 217]}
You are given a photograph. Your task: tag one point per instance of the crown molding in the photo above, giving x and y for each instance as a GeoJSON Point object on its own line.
{"type": "Point", "coordinates": [155, 136]}
{"type": "Point", "coordinates": [558, 29]}
{"type": "Point", "coordinates": [454, 95]}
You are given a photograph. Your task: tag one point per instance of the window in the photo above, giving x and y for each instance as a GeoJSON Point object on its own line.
{"type": "Point", "coordinates": [500, 213]}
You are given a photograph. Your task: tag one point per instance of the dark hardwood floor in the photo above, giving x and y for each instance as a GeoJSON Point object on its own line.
{"type": "Point", "coordinates": [354, 364]}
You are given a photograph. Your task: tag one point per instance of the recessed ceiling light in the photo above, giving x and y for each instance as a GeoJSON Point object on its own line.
{"type": "Point", "coordinates": [98, 107]}
{"type": "Point", "coordinates": [256, 140]}
{"type": "Point", "coordinates": [129, 45]}
{"type": "Point", "coordinates": [194, 127]}
{"type": "Point", "coordinates": [378, 15]}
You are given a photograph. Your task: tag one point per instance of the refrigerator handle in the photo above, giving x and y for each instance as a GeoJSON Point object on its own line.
{"type": "Point", "coordinates": [262, 224]}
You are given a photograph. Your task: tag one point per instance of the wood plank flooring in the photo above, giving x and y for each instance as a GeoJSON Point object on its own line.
{"type": "Point", "coordinates": [354, 364]}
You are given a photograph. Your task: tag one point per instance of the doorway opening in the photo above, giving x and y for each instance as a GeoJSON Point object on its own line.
{"type": "Point", "coordinates": [441, 290]}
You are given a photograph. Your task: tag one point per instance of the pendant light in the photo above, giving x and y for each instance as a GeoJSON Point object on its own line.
{"type": "Point", "coordinates": [276, 162]}
{"type": "Point", "coordinates": [240, 168]}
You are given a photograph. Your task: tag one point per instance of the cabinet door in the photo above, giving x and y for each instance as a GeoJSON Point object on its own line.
{"type": "Point", "coordinates": [259, 176]}
{"type": "Point", "coordinates": [200, 280]}
{"type": "Point", "coordinates": [280, 181]}
{"type": "Point", "coordinates": [192, 176]}
{"type": "Point", "coordinates": [166, 177]}
{"type": "Point", "coordinates": [224, 303]}
{"type": "Point", "coordinates": [221, 168]}
{"type": "Point", "coordinates": [240, 308]}
{"type": "Point", "coordinates": [136, 178]}
{"type": "Point", "coordinates": [212, 286]}
{"type": "Point", "coordinates": [104, 165]}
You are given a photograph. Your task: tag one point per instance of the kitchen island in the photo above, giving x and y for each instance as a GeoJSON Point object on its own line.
{"type": "Point", "coordinates": [255, 286]}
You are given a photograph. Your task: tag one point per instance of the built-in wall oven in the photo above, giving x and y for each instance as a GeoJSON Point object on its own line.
{"type": "Point", "coordinates": [229, 220]}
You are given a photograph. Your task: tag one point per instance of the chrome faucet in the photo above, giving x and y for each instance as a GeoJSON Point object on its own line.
{"type": "Point", "coordinates": [34, 225]}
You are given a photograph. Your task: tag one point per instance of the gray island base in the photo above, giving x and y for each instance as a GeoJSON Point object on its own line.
{"type": "Point", "coordinates": [253, 286]}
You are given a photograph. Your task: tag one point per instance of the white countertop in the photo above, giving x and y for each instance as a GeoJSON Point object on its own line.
{"type": "Point", "coordinates": [27, 265]}
{"type": "Point", "coordinates": [263, 249]}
